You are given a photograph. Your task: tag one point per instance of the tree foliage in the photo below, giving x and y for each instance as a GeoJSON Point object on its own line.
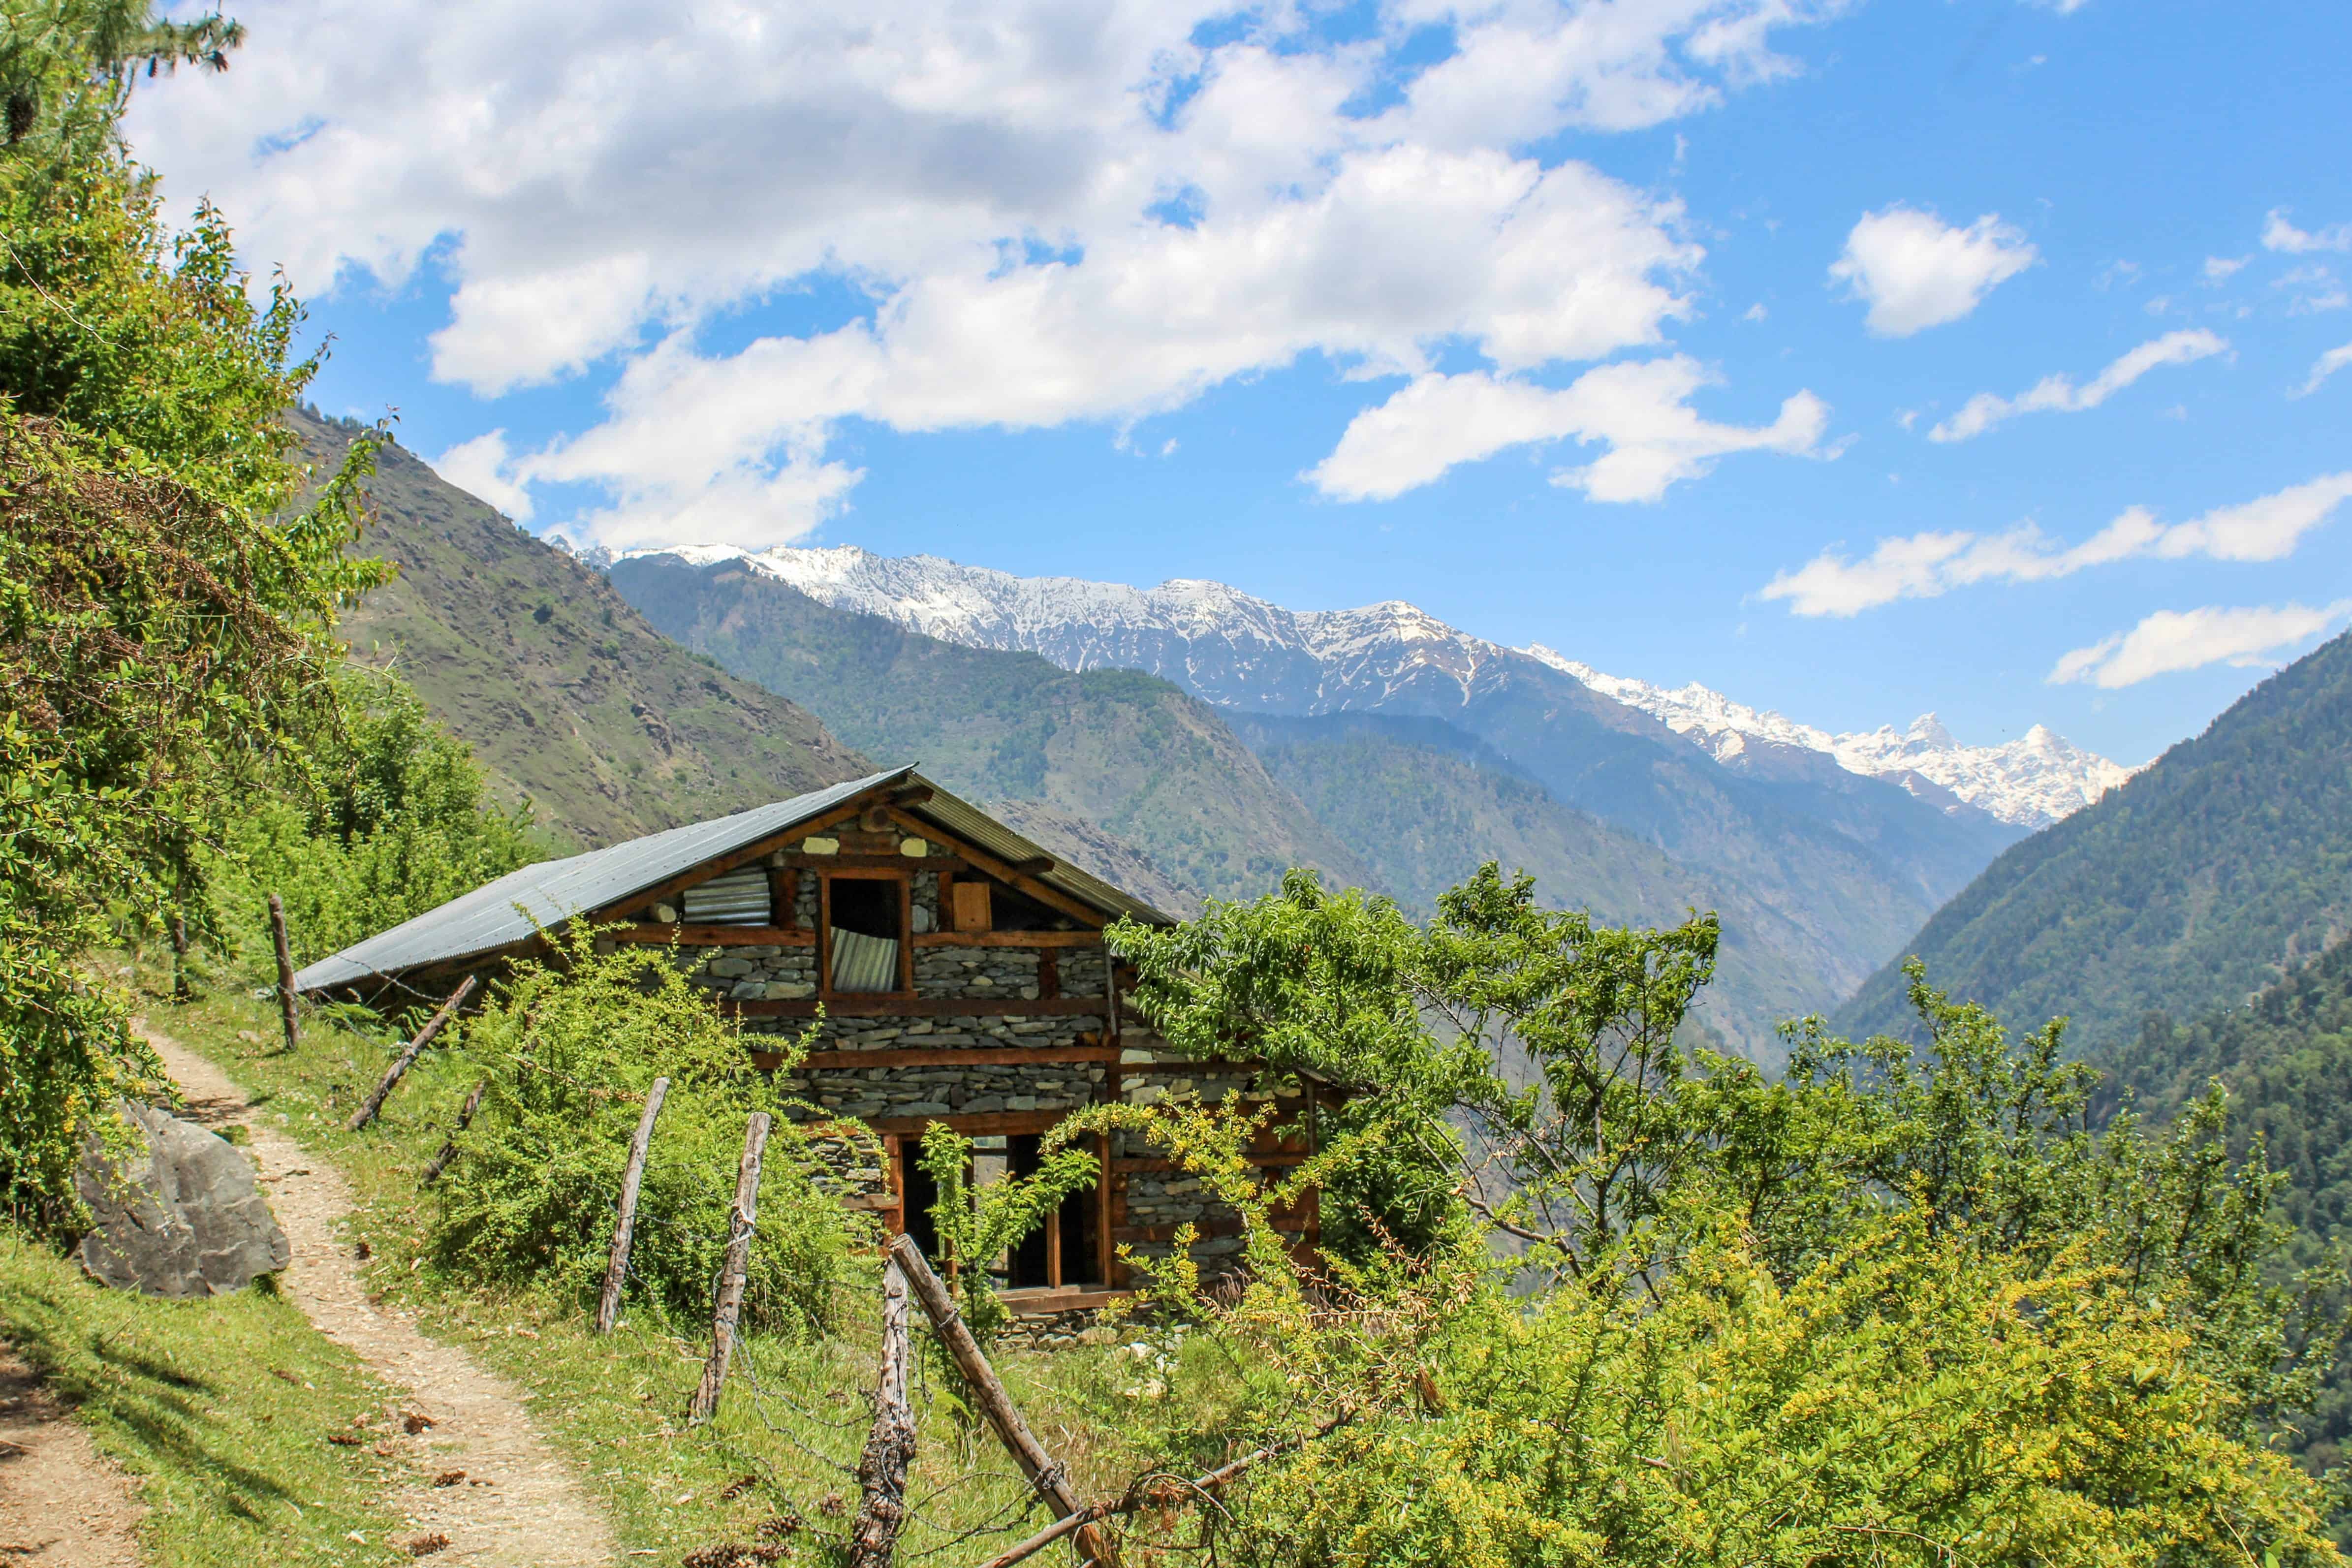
{"type": "Point", "coordinates": [163, 634]}
{"type": "Point", "coordinates": [1895, 1306]}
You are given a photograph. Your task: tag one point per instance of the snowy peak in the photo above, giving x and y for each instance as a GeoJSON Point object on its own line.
{"type": "Point", "coordinates": [2029, 781]}
{"type": "Point", "coordinates": [1231, 648]}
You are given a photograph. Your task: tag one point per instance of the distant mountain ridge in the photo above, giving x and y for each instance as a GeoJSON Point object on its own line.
{"type": "Point", "coordinates": [2031, 782]}
{"type": "Point", "coordinates": [1240, 651]}
{"type": "Point", "coordinates": [1828, 870]}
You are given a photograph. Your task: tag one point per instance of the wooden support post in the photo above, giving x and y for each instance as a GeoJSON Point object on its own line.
{"type": "Point", "coordinates": [616, 1266]}
{"type": "Point", "coordinates": [1048, 1478]}
{"type": "Point", "coordinates": [179, 928]}
{"type": "Point", "coordinates": [890, 1446]}
{"type": "Point", "coordinates": [730, 1305]}
{"type": "Point", "coordinates": [407, 1057]}
{"type": "Point", "coordinates": [440, 1161]}
{"type": "Point", "coordinates": [284, 972]}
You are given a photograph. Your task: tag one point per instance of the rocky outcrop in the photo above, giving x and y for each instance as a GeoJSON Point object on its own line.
{"type": "Point", "coordinates": [178, 1211]}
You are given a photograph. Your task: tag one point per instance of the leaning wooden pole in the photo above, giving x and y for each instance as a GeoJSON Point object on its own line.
{"type": "Point", "coordinates": [407, 1057]}
{"type": "Point", "coordinates": [285, 973]}
{"type": "Point", "coordinates": [730, 1305]}
{"type": "Point", "coordinates": [890, 1446]}
{"type": "Point", "coordinates": [1050, 1479]}
{"type": "Point", "coordinates": [440, 1161]}
{"type": "Point", "coordinates": [625, 1225]}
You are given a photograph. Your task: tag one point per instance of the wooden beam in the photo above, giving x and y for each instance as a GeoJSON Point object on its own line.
{"type": "Point", "coordinates": [953, 1055]}
{"type": "Point", "coordinates": [985, 1125]}
{"type": "Point", "coordinates": [876, 862]}
{"type": "Point", "coordinates": [713, 936]}
{"type": "Point", "coordinates": [856, 1005]}
{"type": "Point", "coordinates": [1037, 939]}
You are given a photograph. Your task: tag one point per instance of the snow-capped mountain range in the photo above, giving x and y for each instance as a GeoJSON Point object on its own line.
{"type": "Point", "coordinates": [1239, 651]}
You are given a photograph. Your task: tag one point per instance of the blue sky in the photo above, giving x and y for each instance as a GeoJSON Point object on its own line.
{"type": "Point", "coordinates": [1856, 360]}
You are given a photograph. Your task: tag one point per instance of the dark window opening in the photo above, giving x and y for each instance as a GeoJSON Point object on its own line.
{"type": "Point", "coordinates": [864, 913]}
{"type": "Point", "coordinates": [920, 1194]}
{"type": "Point", "coordinates": [1072, 1224]}
{"type": "Point", "coordinates": [1011, 910]}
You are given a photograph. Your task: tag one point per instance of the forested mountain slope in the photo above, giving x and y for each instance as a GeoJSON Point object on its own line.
{"type": "Point", "coordinates": [2287, 1059]}
{"type": "Point", "coordinates": [562, 690]}
{"type": "Point", "coordinates": [1122, 751]}
{"type": "Point", "coordinates": [2186, 890]}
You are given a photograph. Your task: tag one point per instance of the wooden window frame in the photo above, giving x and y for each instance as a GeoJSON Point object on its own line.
{"type": "Point", "coordinates": [825, 882]}
{"type": "Point", "coordinates": [899, 1150]}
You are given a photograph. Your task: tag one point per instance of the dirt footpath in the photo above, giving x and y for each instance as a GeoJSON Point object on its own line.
{"type": "Point", "coordinates": [62, 1504]}
{"type": "Point", "coordinates": [517, 1504]}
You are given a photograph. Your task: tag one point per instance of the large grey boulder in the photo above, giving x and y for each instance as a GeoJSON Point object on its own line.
{"type": "Point", "coordinates": [178, 1212]}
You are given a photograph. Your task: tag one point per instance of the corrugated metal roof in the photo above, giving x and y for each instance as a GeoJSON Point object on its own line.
{"type": "Point", "coordinates": [513, 909]}
{"type": "Point", "coordinates": [502, 913]}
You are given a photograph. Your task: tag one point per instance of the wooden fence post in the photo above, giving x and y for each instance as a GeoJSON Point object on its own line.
{"type": "Point", "coordinates": [440, 1161]}
{"type": "Point", "coordinates": [284, 972]}
{"type": "Point", "coordinates": [1048, 1478]}
{"type": "Point", "coordinates": [179, 930]}
{"type": "Point", "coordinates": [616, 1268]}
{"type": "Point", "coordinates": [731, 1275]}
{"type": "Point", "coordinates": [400, 1062]}
{"type": "Point", "coordinates": [890, 1446]}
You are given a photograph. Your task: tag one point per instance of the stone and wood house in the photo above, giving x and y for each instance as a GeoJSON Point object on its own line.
{"type": "Point", "coordinates": [960, 972]}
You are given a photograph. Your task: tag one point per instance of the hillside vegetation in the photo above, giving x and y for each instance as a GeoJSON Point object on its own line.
{"type": "Point", "coordinates": [2185, 891]}
{"type": "Point", "coordinates": [1126, 752]}
{"type": "Point", "coordinates": [564, 691]}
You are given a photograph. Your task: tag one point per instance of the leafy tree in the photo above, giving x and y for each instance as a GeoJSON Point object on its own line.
{"type": "Point", "coordinates": [393, 819]}
{"type": "Point", "coordinates": [162, 636]}
{"type": "Point", "coordinates": [1895, 1306]}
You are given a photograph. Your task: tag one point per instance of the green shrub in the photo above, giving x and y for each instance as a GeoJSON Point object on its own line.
{"type": "Point", "coordinates": [394, 818]}
{"type": "Point", "coordinates": [568, 1049]}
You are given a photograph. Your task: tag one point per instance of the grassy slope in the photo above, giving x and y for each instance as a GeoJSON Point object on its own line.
{"type": "Point", "coordinates": [1425, 804]}
{"type": "Point", "coordinates": [562, 690]}
{"type": "Point", "coordinates": [2184, 891]}
{"type": "Point", "coordinates": [790, 1430]}
{"type": "Point", "coordinates": [1129, 753]}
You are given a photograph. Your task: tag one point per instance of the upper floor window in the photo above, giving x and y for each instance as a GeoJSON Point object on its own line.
{"type": "Point", "coordinates": [865, 918]}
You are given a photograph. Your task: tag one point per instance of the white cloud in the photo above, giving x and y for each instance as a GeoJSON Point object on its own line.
{"type": "Point", "coordinates": [1925, 565]}
{"type": "Point", "coordinates": [483, 467]}
{"type": "Point", "coordinates": [2221, 268]}
{"type": "Point", "coordinates": [1639, 411]}
{"type": "Point", "coordinates": [2328, 364]}
{"type": "Point", "coordinates": [2058, 394]}
{"type": "Point", "coordinates": [2173, 640]}
{"type": "Point", "coordinates": [1916, 272]}
{"type": "Point", "coordinates": [2282, 236]}
{"type": "Point", "coordinates": [990, 186]}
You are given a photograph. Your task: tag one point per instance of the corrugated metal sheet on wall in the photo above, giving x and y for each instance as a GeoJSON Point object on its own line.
{"type": "Point", "coordinates": [738, 899]}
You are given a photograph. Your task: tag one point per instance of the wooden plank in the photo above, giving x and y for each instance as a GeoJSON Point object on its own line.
{"type": "Point", "coordinates": [713, 936]}
{"type": "Point", "coordinates": [875, 862]}
{"type": "Point", "coordinates": [1036, 1302]}
{"type": "Point", "coordinates": [958, 1056]}
{"type": "Point", "coordinates": [1041, 940]}
{"type": "Point", "coordinates": [972, 909]}
{"type": "Point", "coordinates": [860, 1006]}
